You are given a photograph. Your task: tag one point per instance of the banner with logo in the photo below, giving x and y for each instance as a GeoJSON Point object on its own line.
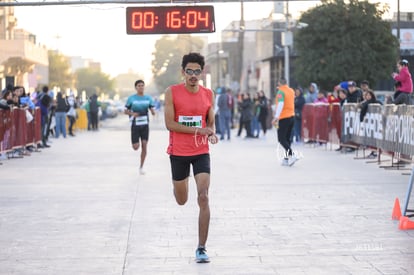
{"type": "Point", "coordinates": [389, 127]}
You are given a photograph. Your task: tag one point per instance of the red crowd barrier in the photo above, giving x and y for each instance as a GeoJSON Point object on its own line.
{"type": "Point", "coordinates": [16, 132]}
{"type": "Point", "coordinates": [19, 128]}
{"type": "Point", "coordinates": [335, 123]}
{"type": "Point", "coordinates": [321, 122]}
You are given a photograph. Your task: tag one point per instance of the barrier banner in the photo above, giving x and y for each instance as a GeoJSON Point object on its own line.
{"type": "Point", "coordinates": [19, 128]}
{"type": "Point", "coordinates": [389, 127]}
{"type": "Point", "coordinates": [30, 131]}
{"type": "Point", "coordinates": [335, 123]}
{"type": "Point", "coordinates": [5, 131]}
{"type": "Point", "coordinates": [320, 122]}
{"type": "Point", "coordinates": [317, 122]}
{"type": "Point", "coordinates": [308, 132]}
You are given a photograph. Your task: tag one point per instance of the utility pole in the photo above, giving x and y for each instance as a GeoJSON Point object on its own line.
{"type": "Point", "coordinates": [398, 20]}
{"type": "Point", "coordinates": [287, 41]}
{"type": "Point", "coordinates": [238, 71]}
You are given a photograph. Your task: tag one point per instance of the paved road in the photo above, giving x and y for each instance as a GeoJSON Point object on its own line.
{"type": "Point", "coordinates": [80, 207]}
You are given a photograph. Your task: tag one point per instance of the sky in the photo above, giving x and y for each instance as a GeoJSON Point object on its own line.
{"type": "Point", "coordinates": [98, 32]}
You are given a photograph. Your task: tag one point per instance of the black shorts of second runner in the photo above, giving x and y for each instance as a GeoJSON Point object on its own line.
{"type": "Point", "coordinates": [139, 132]}
{"type": "Point", "coordinates": [180, 165]}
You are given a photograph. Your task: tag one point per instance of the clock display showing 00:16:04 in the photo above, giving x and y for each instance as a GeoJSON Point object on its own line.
{"type": "Point", "coordinates": [180, 19]}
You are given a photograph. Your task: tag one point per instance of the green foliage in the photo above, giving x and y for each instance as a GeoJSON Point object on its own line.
{"type": "Point", "coordinates": [169, 50]}
{"type": "Point", "coordinates": [93, 81]}
{"type": "Point", "coordinates": [343, 42]}
{"type": "Point", "coordinates": [59, 71]}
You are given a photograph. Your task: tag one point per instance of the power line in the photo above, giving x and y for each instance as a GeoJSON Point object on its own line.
{"type": "Point", "coordinates": [93, 2]}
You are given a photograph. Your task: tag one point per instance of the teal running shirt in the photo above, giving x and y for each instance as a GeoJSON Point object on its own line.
{"type": "Point", "coordinates": [140, 104]}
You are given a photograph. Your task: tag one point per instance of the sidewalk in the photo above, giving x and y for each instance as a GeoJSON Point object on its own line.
{"type": "Point", "coordinates": [81, 207]}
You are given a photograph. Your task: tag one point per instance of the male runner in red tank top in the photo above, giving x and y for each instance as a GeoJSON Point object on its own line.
{"type": "Point", "coordinates": [189, 116]}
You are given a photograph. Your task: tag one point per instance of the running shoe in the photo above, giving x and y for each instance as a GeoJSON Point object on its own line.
{"type": "Point", "coordinates": [285, 162]}
{"type": "Point", "coordinates": [292, 160]}
{"type": "Point", "coordinates": [201, 255]}
{"type": "Point", "coordinates": [141, 171]}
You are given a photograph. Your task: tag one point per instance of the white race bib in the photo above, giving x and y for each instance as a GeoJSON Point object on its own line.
{"type": "Point", "coordinates": [191, 121]}
{"type": "Point", "coordinates": [141, 120]}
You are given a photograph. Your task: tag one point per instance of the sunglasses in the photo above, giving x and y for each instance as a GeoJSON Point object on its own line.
{"type": "Point", "coordinates": [193, 72]}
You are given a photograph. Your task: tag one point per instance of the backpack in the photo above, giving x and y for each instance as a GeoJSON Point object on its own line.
{"type": "Point", "coordinates": [44, 99]}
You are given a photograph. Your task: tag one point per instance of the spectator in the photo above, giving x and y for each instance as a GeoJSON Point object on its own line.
{"type": "Point", "coordinates": [24, 99]}
{"type": "Point", "coordinates": [321, 98]}
{"type": "Point", "coordinates": [16, 97]}
{"type": "Point", "coordinates": [255, 126]}
{"type": "Point", "coordinates": [370, 98]}
{"type": "Point", "coordinates": [6, 100]}
{"type": "Point", "coordinates": [224, 103]}
{"type": "Point", "coordinates": [333, 97]}
{"type": "Point", "coordinates": [246, 115]}
{"type": "Point", "coordinates": [342, 95]}
{"type": "Point", "coordinates": [60, 115]}
{"type": "Point", "coordinates": [364, 87]}
{"type": "Point", "coordinates": [354, 95]}
{"type": "Point", "coordinates": [299, 103]}
{"type": "Point", "coordinates": [94, 105]}
{"type": "Point", "coordinates": [44, 102]}
{"type": "Point", "coordinates": [404, 84]}
{"type": "Point", "coordinates": [88, 112]}
{"type": "Point", "coordinates": [71, 114]}
{"type": "Point", "coordinates": [312, 93]}
{"type": "Point", "coordinates": [9, 87]}
{"type": "Point", "coordinates": [263, 112]}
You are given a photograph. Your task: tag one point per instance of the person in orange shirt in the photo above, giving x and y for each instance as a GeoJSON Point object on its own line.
{"type": "Point", "coordinates": [283, 119]}
{"type": "Point", "coordinates": [189, 116]}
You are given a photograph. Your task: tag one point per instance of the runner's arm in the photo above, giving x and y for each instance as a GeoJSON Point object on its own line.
{"type": "Point", "coordinates": [211, 116]}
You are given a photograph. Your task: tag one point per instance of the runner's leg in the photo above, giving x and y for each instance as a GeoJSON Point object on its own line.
{"type": "Point", "coordinates": [203, 182]}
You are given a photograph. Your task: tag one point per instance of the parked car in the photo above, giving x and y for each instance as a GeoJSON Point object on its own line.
{"type": "Point", "coordinates": [109, 109]}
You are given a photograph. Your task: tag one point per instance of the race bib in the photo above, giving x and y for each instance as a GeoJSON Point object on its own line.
{"type": "Point", "coordinates": [191, 121]}
{"type": "Point", "coordinates": [141, 120]}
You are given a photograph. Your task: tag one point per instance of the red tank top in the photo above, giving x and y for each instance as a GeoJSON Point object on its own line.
{"type": "Point", "coordinates": [191, 109]}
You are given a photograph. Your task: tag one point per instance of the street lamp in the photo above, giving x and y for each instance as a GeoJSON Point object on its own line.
{"type": "Point", "coordinates": [287, 40]}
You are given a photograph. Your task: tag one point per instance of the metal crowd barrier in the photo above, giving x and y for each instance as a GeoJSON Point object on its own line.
{"type": "Point", "coordinates": [16, 132]}
{"type": "Point", "coordinates": [321, 122]}
{"type": "Point", "coordinates": [389, 127]}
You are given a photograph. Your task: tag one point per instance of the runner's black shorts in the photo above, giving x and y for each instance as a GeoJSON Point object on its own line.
{"type": "Point", "coordinates": [180, 165]}
{"type": "Point", "coordinates": [139, 132]}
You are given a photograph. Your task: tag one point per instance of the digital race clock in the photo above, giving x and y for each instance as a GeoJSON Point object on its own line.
{"type": "Point", "coordinates": [171, 19]}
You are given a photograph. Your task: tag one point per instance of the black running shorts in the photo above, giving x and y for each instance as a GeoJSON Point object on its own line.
{"type": "Point", "coordinates": [180, 165]}
{"type": "Point", "coordinates": [139, 132]}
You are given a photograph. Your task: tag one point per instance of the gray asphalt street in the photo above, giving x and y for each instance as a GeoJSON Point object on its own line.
{"type": "Point", "coordinates": [81, 207]}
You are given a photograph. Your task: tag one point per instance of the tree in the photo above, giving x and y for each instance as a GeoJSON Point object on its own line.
{"type": "Point", "coordinates": [93, 81]}
{"type": "Point", "coordinates": [168, 53]}
{"type": "Point", "coordinates": [59, 71]}
{"type": "Point", "coordinates": [344, 42]}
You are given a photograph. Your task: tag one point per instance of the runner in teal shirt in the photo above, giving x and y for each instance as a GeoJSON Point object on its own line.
{"type": "Point", "coordinates": [136, 108]}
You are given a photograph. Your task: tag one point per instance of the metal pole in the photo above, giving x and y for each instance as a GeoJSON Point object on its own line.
{"type": "Point", "coordinates": [286, 45]}
{"type": "Point", "coordinates": [398, 20]}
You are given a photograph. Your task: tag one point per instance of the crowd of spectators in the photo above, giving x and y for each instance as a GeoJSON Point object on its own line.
{"type": "Point", "coordinates": [55, 111]}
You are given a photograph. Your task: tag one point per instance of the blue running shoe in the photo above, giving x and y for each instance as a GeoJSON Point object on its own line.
{"type": "Point", "coordinates": [201, 255]}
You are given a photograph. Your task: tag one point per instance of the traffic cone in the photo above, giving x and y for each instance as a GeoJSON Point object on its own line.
{"type": "Point", "coordinates": [405, 223]}
{"type": "Point", "coordinates": [396, 212]}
